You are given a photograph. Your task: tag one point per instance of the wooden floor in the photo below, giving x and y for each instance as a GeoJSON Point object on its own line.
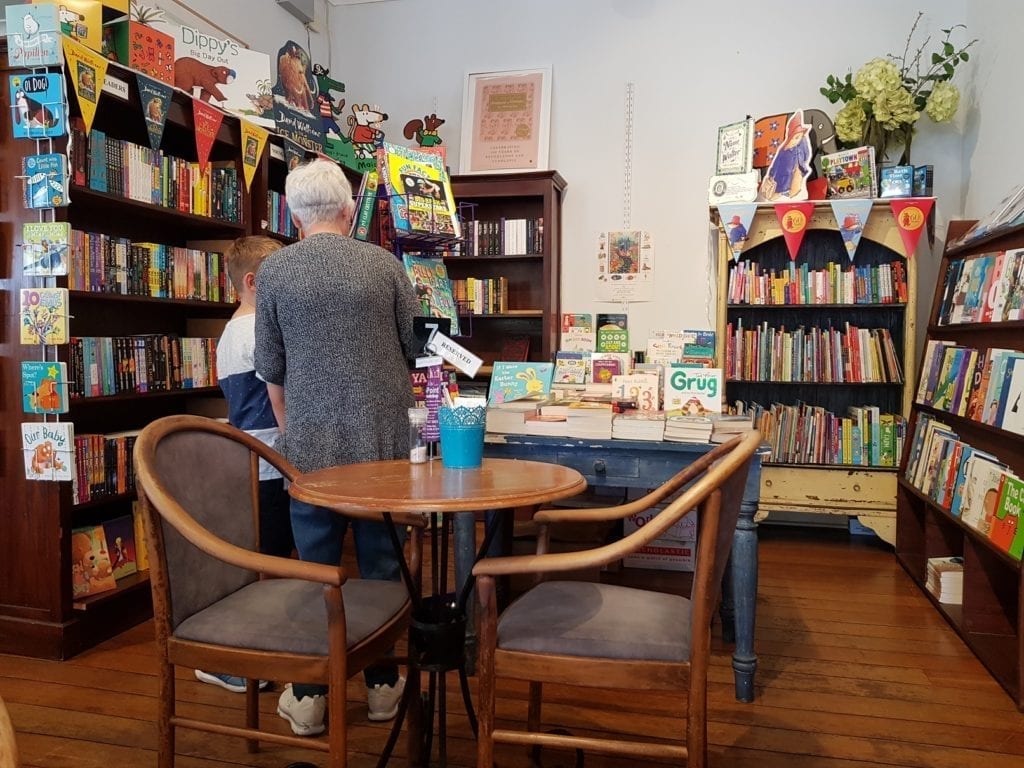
{"type": "Point", "coordinates": [856, 670]}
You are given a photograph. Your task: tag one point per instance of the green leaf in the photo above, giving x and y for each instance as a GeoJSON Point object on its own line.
{"type": "Point", "coordinates": [936, 58]}
{"type": "Point", "coordinates": [831, 79]}
{"type": "Point", "coordinates": [949, 69]}
{"type": "Point", "coordinates": [948, 49]}
{"type": "Point", "coordinates": [964, 56]}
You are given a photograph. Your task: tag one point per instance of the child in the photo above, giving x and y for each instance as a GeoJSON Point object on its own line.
{"type": "Point", "coordinates": [249, 408]}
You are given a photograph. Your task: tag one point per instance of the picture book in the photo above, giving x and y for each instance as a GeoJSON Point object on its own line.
{"type": "Point", "coordinates": [420, 192]}
{"type": "Point", "coordinates": [365, 204]}
{"type": "Point", "coordinates": [120, 536]}
{"type": "Point", "coordinates": [640, 388]}
{"type": "Point", "coordinates": [44, 315]}
{"type": "Point", "coordinates": [583, 321]}
{"type": "Point", "coordinates": [605, 365]}
{"type": "Point", "coordinates": [81, 20]}
{"type": "Point", "coordinates": [612, 339]}
{"type": "Point", "coordinates": [433, 288]}
{"type": "Point", "coordinates": [33, 35]}
{"type": "Point", "coordinates": [664, 351]}
{"type": "Point", "coordinates": [514, 381]}
{"type": "Point", "coordinates": [850, 173]}
{"type": "Point", "coordinates": [698, 343]}
{"type": "Point", "coordinates": [44, 386]}
{"type": "Point", "coordinates": [993, 219]}
{"type": "Point", "coordinates": [1011, 408]}
{"type": "Point", "coordinates": [578, 340]}
{"type": "Point", "coordinates": [612, 320]}
{"type": "Point", "coordinates": [1005, 530]}
{"type": "Point", "coordinates": [91, 571]}
{"type": "Point", "coordinates": [981, 492]}
{"type": "Point", "coordinates": [570, 368]}
{"type": "Point", "coordinates": [49, 450]}
{"type": "Point", "coordinates": [923, 178]}
{"type": "Point", "coordinates": [45, 180]}
{"type": "Point", "coordinates": [44, 248]}
{"type": "Point", "coordinates": [38, 101]}
{"type": "Point", "coordinates": [693, 391]}
{"type": "Point", "coordinates": [735, 147]}
{"type": "Point", "coordinates": [896, 181]}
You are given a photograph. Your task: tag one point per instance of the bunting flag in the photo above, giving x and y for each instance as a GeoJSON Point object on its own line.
{"type": "Point", "coordinates": [736, 218]}
{"type": "Point", "coordinates": [911, 214]}
{"type": "Point", "coordinates": [155, 98]}
{"type": "Point", "coordinates": [294, 154]}
{"type": "Point", "coordinates": [851, 217]}
{"type": "Point", "coordinates": [254, 139]}
{"type": "Point", "coordinates": [88, 72]}
{"type": "Point", "coordinates": [207, 121]}
{"type": "Point", "coordinates": [793, 218]}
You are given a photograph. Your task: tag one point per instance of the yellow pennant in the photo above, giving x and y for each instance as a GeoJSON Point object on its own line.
{"type": "Point", "coordinates": [254, 139]}
{"type": "Point", "coordinates": [88, 71]}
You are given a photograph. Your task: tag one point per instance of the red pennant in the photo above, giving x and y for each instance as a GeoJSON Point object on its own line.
{"type": "Point", "coordinates": [794, 218]}
{"type": "Point", "coordinates": [207, 120]}
{"type": "Point", "coordinates": [911, 214]}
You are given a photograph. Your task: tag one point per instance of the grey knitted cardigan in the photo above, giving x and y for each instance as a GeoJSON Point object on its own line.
{"type": "Point", "coordinates": [334, 327]}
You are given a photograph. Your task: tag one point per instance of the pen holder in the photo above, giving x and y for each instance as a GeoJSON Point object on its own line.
{"type": "Point", "coordinates": [462, 436]}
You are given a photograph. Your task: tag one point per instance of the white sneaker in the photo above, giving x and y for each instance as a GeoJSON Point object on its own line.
{"type": "Point", "coordinates": [383, 700]}
{"type": "Point", "coordinates": [227, 682]}
{"type": "Point", "coordinates": [305, 715]}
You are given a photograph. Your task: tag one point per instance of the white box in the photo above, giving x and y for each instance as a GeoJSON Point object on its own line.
{"type": "Point", "coordinates": [664, 555]}
{"type": "Point", "coordinates": [684, 529]}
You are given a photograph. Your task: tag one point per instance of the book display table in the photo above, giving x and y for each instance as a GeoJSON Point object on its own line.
{"type": "Point", "coordinates": [647, 464]}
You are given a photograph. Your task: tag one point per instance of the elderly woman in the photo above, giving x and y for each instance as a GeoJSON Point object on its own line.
{"type": "Point", "coordinates": [334, 329]}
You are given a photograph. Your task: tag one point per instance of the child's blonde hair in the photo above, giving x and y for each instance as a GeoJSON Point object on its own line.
{"type": "Point", "coordinates": [245, 255]}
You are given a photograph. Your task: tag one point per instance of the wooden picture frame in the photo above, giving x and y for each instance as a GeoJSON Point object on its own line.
{"type": "Point", "coordinates": [735, 148]}
{"type": "Point", "coordinates": [506, 121]}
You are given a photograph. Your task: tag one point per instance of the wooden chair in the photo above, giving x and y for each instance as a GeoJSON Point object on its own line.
{"type": "Point", "coordinates": [605, 636]}
{"type": "Point", "coordinates": [8, 749]}
{"type": "Point", "coordinates": [197, 481]}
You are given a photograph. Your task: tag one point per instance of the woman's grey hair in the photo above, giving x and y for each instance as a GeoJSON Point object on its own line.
{"type": "Point", "coordinates": [317, 192]}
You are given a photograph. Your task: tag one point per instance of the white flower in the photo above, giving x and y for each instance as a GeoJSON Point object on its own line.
{"type": "Point", "coordinates": [943, 102]}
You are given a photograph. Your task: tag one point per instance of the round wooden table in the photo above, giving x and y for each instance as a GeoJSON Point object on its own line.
{"type": "Point", "coordinates": [382, 488]}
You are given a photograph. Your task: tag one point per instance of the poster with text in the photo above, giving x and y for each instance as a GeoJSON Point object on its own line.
{"type": "Point", "coordinates": [505, 121]}
{"type": "Point", "coordinates": [625, 266]}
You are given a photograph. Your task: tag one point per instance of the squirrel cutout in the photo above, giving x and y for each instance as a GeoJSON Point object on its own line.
{"type": "Point", "coordinates": [425, 130]}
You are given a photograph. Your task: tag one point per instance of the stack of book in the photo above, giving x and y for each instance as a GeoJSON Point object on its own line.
{"type": "Point", "coordinates": [946, 579]}
{"type": "Point", "coordinates": [639, 425]}
{"type": "Point", "coordinates": [582, 419]}
{"type": "Point", "coordinates": [688, 429]}
{"type": "Point", "coordinates": [725, 427]}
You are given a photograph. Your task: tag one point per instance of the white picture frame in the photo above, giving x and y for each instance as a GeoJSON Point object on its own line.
{"type": "Point", "coordinates": [506, 121]}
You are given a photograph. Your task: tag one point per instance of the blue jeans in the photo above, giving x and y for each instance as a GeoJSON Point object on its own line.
{"type": "Point", "coordinates": [319, 536]}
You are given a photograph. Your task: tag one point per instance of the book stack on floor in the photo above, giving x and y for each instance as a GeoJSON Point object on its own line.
{"type": "Point", "coordinates": [946, 579]}
{"type": "Point", "coordinates": [688, 429]}
{"type": "Point", "coordinates": [639, 425]}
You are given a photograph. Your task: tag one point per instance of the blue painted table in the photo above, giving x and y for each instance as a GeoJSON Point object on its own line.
{"type": "Point", "coordinates": [646, 464]}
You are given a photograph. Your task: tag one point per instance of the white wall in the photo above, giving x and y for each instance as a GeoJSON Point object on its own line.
{"type": "Point", "coordinates": [994, 109]}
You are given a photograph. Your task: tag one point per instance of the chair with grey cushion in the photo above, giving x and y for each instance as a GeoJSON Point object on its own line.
{"type": "Point", "coordinates": [611, 637]}
{"type": "Point", "coordinates": [213, 608]}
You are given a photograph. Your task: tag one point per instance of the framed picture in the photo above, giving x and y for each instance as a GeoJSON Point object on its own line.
{"type": "Point", "coordinates": [506, 121]}
{"type": "Point", "coordinates": [735, 148]}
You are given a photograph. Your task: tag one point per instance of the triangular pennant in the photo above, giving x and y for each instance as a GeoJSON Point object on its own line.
{"type": "Point", "coordinates": [155, 98]}
{"type": "Point", "coordinates": [736, 218]}
{"type": "Point", "coordinates": [294, 155]}
{"type": "Point", "coordinates": [911, 214]}
{"type": "Point", "coordinates": [88, 72]}
{"type": "Point", "coordinates": [207, 122]}
{"type": "Point", "coordinates": [254, 139]}
{"type": "Point", "coordinates": [851, 217]}
{"type": "Point", "coordinates": [793, 218]}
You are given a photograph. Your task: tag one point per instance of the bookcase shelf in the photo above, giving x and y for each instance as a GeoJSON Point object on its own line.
{"type": "Point", "coordinates": [991, 618]}
{"type": "Point", "coordinates": [39, 615]}
{"type": "Point", "coordinates": [533, 304]}
{"type": "Point", "coordinates": [865, 491]}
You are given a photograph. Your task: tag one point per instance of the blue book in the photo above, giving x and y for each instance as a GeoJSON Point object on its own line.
{"type": "Point", "coordinates": [46, 180]}
{"type": "Point", "coordinates": [514, 381]}
{"type": "Point", "coordinates": [38, 106]}
{"type": "Point", "coordinates": [44, 387]}
{"type": "Point", "coordinates": [33, 35]}
{"type": "Point", "coordinates": [98, 161]}
{"type": "Point", "coordinates": [897, 181]}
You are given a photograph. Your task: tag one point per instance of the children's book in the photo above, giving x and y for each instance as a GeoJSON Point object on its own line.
{"type": "Point", "coordinates": [923, 177]}
{"type": "Point", "coordinates": [981, 492]}
{"type": "Point", "coordinates": [515, 381]}
{"type": "Point", "coordinates": [612, 339]}
{"type": "Point", "coordinates": [366, 202]}
{"type": "Point", "coordinates": [896, 181]}
{"type": "Point", "coordinates": [44, 247]}
{"type": "Point", "coordinates": [420, 192]}
{"type": "Point", "coordinates": [578, 340]}
{"type": "Point", "coordinates": [433, 288]}
{"type": "Point", "coordinates": [45, 180]}
{"type": "Point", "coordinates": [91, 571]}
{"type": "Point", "coordinates": [38, 106]}
{"type": "Point", "coordinates": [33, 35]}
{"type": "Point", "coordinates": [570, 368]}
{"type": "Point", "coordinates": [640, 388]}
{"type": "Point", "coordinates": [1011, 406]}
{"type": "Point", "coordinates": [611, 320]}
{"type": "Point", "coordinates": [120, 536]}
{"type": "Point", "coordinates": [693, 391]}
{"type": "Point", "coordinates": [582, 320]}
{"type": "Point", "coordinates": [49, 450]}
{"type": "Point", "coordinates": [699, 343]}
{"type": "Point", "coordinates": [44, 386]}
{"type": "Point", "coordinates": [850, 173]}
{"type": "Point", "coordinates": [44, 315]}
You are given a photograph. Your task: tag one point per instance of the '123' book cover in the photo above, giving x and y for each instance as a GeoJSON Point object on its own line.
{"type": "Point", "coordinates": [44, 386]}
{"type": "Point", "coordinates": [44, 315]}
{"type": "Point", "coordinates": [44, 247]}
{"type": "Point", "coordinates": [38, 102]}
{"type": "Point", "coordinates": [49, 450]}
{"type": "Point", "coordinates": [433, 289]}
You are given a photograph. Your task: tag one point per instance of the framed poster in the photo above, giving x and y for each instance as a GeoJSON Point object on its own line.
{"type": "Point", "coordinates": [735, 148]}
{"type": "Point", "coordinates": [506, 121]}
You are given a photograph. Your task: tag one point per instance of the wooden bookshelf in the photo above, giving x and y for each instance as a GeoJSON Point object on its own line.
{"type": "Point", "coordinates": [991, 618]}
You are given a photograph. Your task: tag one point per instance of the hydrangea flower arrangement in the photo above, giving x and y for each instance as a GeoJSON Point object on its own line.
{"type": "Point", "coordinates": [885, 97]}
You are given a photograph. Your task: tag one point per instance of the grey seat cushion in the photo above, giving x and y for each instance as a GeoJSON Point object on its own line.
{"type": "Point", "coordinates": [597, 620]}
{"type": "Point", "coordinates": [290, 615]}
